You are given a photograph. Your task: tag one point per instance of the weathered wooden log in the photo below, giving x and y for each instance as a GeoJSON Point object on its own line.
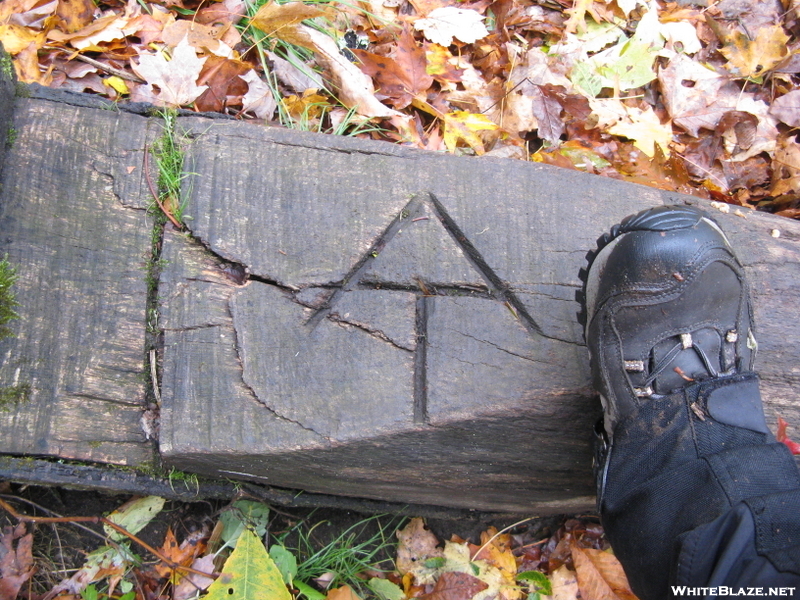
{"type": "Point", "coordinates": [342, 316]}
{"type": "Point", "coordinates": [74, 223]}
{"type": "Point", "coordinates": [358, 318]}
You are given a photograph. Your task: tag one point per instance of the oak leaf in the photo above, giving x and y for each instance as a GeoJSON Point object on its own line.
{"type": "Point", "coordinates": [448, 22]}
{"type": "Point", "coordinates": [753, 58]}
{"type": "Point", "coordinates": [176, 78]}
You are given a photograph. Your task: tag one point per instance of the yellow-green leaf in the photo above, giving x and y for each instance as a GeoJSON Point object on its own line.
{"type": "Point", "coordinates": [249, 573]}
{"type": "Point", "coordinates": [463, 125]}
{"type": "Point", "coordinates": [134, 515]}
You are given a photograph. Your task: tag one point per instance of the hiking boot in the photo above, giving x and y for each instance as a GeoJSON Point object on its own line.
{"type": "Point", "coordinates": [665, 306]}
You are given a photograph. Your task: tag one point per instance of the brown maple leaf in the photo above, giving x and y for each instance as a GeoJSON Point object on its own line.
{"type": "Point", "coordinates": [401, 77]}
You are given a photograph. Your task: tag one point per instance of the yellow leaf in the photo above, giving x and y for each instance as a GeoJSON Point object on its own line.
{"type": "Point", "coordinates": [117, 83]}
{"type": "Point", "coordinates": [753, 58]}
{"type": "Point", "coordinates": [249, 573]}
{"type": "Point", "coordinates": [463, 125]}
{"type": "Point", "coordinates": [16, 38]}
{"type": "Point", "coordinates": [645, 129]}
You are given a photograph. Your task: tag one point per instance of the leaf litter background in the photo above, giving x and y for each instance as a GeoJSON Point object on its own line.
{"type": "Point", "coordinates": [698, 97]}
{"type": "Point", "coordinates": [246, 550]}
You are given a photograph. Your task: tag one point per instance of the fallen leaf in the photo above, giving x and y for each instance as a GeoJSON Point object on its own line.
{"type": "Point", "coordinates": [178, 554]}
{"type": "Point", "coordinates": [565, 584]}
{"type": "Point", "coordinates": [225, 86]}
{"type": "Point", "coordinates": [442, 65]}
{"type": "Point", "coordinates": [694, 94]}
{"type": "Point", "coordinates": [134, 515]}
{"type": "Point", "coordinates": [198, 35]}
{"type": "Point", "coordinates": [73, 15]}
{"type": "Point", "coordinates": [342, 593]}
{"type": "Point", "coordinates": [753, 58]}
{"type": "Point", "coordinates": [354, 88]}
{"type": "Point", "coordinates": [640, 125]}
{"type": "Point", "coordinates": [15, 38]}
{"type": "Point", "coordinates": [272, 17]}
{"type": "Point", "coordinates": [103, 562]}
{"type": "Point", "coordinates": [786, 108]}
{"type": "Point", "coordinates": [448, 22]}
{"type": "Point", "coordinates": [308, 106]}
{"type": "Point", "coordinates": [175, 78]}
{"type": "Point", "coordinates": [294, 77]}
{"type": "Point", "coordinates": [258, 99]}
{"type": "Point", "coordinates": [16, 563]}
{"type": "Point", "coordinates": [462, 125]}
{"type": "Point", "coordinates": [249, 573]}
{"type": "Point", "coordinates": [455, 586]}
{"type": "Point", "coordinates": [416, 544]}
{"type": "Point", "coordinates": [27, 66]}
{"type": "Point", "coordinates": [786, 172]}
{"type": "Point", "coordinates": [189, 585]}
{"type": "Point", "coordinates": [104, 29]}
{"type": "Point", "coordinates": [401, 77]}
{"type": "Point", "coordinates": [117, 84]}
{"type": "Point", "coordinates": [600, 575]}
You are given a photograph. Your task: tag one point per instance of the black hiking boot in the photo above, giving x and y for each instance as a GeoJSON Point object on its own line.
{"type": "Point", "coordinates": [693, 489]}
{"type": "Point", "coordinates": [665, 306]}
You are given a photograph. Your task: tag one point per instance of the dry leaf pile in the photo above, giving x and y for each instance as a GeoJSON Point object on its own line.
{"type": "Point", "coordinates": [698, 97]}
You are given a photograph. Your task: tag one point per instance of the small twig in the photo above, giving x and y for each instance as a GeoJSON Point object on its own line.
{"type": "Point", "coordinates": [496, 535]}
{"type": "Point", "coordinates": [102, 66]}
{"type": "Point", "coordinates": [47, 510]}
{"type": "Point", "coordinates": [153, 190]}
{"type": "Point", "coordinates": [118, 528]}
